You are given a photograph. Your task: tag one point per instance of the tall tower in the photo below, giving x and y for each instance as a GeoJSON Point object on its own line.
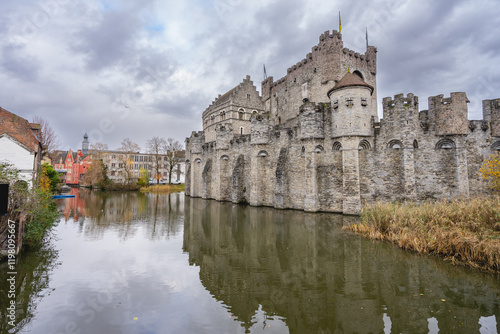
{"type": "Point", "coordinates": [352, 113]}
{"type": "Point", "coordinates": [85, 144]}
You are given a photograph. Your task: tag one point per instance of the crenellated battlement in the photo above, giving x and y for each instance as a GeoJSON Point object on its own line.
{"type": "Point", "coordinates": [491, 113]}
{"type": "Point", "coordinates": [224, 134]}
{"type": "Point", "coordinates": [449, 113]}
{"type": "Point", "coordinates": [400, 100]}
{"type": "Point", "coordinates": [260, 129]}
{"type": "Point", "coordinates": [313, 141]}
{"type": "Point", "coordinates": [311, 121]}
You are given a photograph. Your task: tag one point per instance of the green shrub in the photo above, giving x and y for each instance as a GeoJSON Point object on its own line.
{"type": "Point", "coordinates": [41, 216]}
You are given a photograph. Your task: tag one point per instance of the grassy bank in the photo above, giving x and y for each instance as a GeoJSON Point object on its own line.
{"type": "Point", "coordinates": [466, 232]}
{"type": "Point", "coordinates": [163, 188]}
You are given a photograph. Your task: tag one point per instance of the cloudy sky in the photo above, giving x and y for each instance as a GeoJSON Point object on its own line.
{"type": "Point", "coordinates": [138, 69]}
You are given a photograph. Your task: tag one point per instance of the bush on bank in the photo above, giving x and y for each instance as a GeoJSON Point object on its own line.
{"type": "Point", "coordinates": [35, 203]}
{"type": "Point", "coordinates": [465, 232]}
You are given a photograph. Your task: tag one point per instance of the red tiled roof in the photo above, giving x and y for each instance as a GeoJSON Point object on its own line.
{"type": "Point", "coordinates": [350, 80]}
{"type": "Point", "coordinates": [19, 129]}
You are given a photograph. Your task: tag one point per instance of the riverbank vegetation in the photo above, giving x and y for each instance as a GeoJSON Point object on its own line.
{"type": "Point", "coordinates": [163, 188]}
{"type": "Point", "coordinates": [466, 232]}
{"type": "Point", "coordinates": [32, 205]}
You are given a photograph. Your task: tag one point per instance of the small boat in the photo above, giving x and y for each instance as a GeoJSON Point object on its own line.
{"type": "Point", "coordinates": [63, 196]}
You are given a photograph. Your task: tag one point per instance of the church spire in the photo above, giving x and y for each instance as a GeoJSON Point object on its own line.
{"type": "Point", "coordinates": [85, 143]}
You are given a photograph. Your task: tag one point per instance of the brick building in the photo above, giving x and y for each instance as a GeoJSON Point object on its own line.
{"type": "Point", "coordinates": [71, 165]}
{"type": "Point", "coordinates": [20, 145]}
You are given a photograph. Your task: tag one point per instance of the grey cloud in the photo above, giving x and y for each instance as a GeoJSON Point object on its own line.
{"type": "Point", "coordinates": [110, 41]}
{"type": "Point", "coordinates": [425, 47]}
{"type": "Point", "coordinates": [18, 64]}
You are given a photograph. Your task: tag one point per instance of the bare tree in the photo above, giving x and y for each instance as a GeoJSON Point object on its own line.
{"type": "Point", "coordinates": [156, 146]}
{"type": "Point", "coordinates": [172, 148]}
{"type": "Point", "coordinates": [95, 175]}
{"type": "Point", "coordinates": [47, 136]}
{"type": "Point", "coordinates": [97, 150]}
{"type": "Point", "coordinates": [128, 149]}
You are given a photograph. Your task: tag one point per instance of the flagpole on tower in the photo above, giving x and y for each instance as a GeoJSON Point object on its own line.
{"type": "Point", "coordinates": [340, 24]}
{"type": "Point", "coordinates": [366, 38]}
{"type": "Point", "coordinates": [265, 74]}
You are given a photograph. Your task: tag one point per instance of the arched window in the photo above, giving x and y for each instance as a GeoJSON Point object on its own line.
{"type": "Point", "coordinates": [445, 143]}
{"type": "Point", "coordinates": [395, 144]}
{"type": "Point", "coordinates": [241, 130]}
{"type": "Point", "coordinates": [495, 146]}
{"type": "Point", "coordinates": [415, 144]}
{"type": "Point", "coordinates": [364, 145]}
{"type": "Point", "coordinates": [358, 73]}
{"type": "Point", "coordinates": [319, 149]}
{"type": "Point", "coordinates": [337, 146]}
{"type": "Point", "coordinates": [262, 153]}
{"type": "Point", "coordinates": [240, 114]}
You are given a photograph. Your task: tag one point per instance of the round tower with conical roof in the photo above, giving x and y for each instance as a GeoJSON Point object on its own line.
{"type": "Point", "coordinates": [352, 109]}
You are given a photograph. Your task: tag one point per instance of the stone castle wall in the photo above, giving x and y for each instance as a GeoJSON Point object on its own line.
{"type": "Point", "coordinates": [323, 148]}
{"type": "Point", "coordinates": [286, 167]}
{"type": "Point", "coordinates": [317, 73]}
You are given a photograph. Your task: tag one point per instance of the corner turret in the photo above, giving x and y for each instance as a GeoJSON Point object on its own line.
{"type": "Point", "coordinates": [352, 110]}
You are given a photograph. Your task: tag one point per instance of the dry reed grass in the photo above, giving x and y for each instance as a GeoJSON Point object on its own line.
{"type": "Point", "coordinates": [464, 231]}
{"type": "Point", "coordinates": [163, 188]}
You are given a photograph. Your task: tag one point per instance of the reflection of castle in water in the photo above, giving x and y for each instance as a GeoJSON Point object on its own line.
{"type": "Point", "coordinates": [97, 211]}
{"type": "Point", "coordinates": [303, 268]}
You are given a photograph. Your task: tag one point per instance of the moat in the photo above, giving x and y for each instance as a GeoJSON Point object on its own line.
{"type": "Point", "coordinates": [144, 263]}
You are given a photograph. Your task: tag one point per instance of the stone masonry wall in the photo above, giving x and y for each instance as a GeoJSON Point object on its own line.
{"type": "Point", "coordinates": [303, 149]}
{"type": "Point", "coordinates": [291, 166]}
{"type": "Point", "coordinates": [317, 73]}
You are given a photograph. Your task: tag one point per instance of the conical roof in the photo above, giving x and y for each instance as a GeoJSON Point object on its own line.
{"type": "Point", "coordinates": [350, 80]}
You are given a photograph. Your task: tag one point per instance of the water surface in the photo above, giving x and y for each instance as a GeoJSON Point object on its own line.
{"type": "Point", "coordinates": [142, 263]}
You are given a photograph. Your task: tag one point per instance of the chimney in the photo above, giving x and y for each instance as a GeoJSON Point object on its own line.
{"type": "Point", "coordinates": [35, 127]}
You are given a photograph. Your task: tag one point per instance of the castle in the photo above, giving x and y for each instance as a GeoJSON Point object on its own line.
{"type": "Point", "coordinates": [313, 140]}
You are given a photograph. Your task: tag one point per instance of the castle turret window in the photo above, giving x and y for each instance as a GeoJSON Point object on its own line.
{"type": "Point", "coordinates": [349, 102]}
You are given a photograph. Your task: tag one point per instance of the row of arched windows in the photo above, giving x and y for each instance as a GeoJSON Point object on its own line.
{"type": "Point", "coordinates": [445, 143]}
{"type": "Point", "coordinates": [223, 114]}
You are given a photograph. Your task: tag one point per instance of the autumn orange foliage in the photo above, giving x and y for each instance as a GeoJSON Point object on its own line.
{"type": "Point", "coordinates": [490, 170]}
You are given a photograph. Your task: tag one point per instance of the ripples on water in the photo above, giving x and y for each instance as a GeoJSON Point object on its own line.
{"type": "Point", "coordinates": [137, 263]}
